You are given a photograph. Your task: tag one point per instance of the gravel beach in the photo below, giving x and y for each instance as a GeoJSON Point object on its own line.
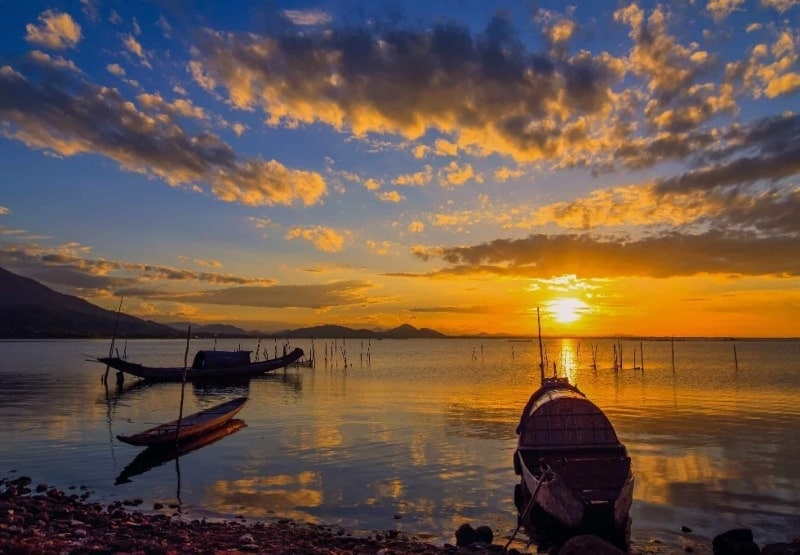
{"type": "Point", "coordinates": [38, 519]}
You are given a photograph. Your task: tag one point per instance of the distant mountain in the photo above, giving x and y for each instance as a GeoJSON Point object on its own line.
{"type": "Point", "coordinates": [405, 331]}
{"type": "Point", "coordinates": [211, 330]}
{"type": "Point", "coordinates": [28, 309]}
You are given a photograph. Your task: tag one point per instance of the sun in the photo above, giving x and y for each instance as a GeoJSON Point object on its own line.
{"type": "Point", "coordinates": [566, 310]}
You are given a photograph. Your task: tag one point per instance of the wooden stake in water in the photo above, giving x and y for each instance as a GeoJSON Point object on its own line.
{"type": "Point", "coordinates": [183, 384]}
{"type": "Point", "coordinates": [641, 352]}
{"type": "Point", "coordinates": [673, 354]}
{"type": "Point", "coordinates": [735, 358]}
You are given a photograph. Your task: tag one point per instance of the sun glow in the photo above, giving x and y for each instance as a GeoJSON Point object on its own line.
{"type": "Point", "coordinates": [566, 310]}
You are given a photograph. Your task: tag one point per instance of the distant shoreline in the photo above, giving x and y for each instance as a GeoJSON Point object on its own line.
{"type": "Point", "coordinates": [509, 338]}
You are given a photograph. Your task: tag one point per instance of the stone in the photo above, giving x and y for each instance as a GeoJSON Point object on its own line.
{"type": "Point", "coordinates": [466, 535]}
{"type": "Point", "coordinates": [484, 534]}
{"type": "Point", "coordinates": [587, 543]}
{"type": "Point", "coordinates": [781, 549]}
{"type": "Point", "coordinates": [738, 541]}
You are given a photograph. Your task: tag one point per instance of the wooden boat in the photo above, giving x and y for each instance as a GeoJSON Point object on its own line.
{"type": "Point", "coordinates": [575, 474]}
{"type": "Point", "coordinates": [157, 455]}
{"type": "Point", "coordinates": [191, 426]}
{"type": "Point", "coordinates": [207, 365]}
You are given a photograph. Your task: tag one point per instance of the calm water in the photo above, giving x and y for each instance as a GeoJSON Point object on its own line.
{"type": "Point", "coordinates": [418, 435]}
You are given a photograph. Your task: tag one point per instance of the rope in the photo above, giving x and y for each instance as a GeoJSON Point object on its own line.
{"type": "Point", "coordinates": [546, 472]}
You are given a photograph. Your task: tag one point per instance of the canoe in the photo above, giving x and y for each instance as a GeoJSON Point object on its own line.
{"type": "Point", "coordinates": [575, 474]}
{"type": "Point", "coordinates": [207, 365]}
{"type": "Point", "coordinates": [157, 455]}
{"type": "Point", "coordinates": [191, 426]}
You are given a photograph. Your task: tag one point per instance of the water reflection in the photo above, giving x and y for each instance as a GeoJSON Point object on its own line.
{"type": "Point", "coordinates": [424, 431]}
{"type": "Point", "coordinates": [154, 456]}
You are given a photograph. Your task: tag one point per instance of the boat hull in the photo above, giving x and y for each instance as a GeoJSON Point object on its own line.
{"type": "Point", "coordinates": [560, 510]}
{"type": "Point", "coordinates": [575, 475]}
{"type": "Point", "coordinates": [188, 427]}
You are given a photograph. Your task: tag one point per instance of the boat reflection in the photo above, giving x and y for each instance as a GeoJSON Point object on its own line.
{"type": "Point", "coordinates": [155, 456]}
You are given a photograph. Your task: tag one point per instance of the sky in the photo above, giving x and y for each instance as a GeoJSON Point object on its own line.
{"type": "Point", "coordinates": [624, 167]}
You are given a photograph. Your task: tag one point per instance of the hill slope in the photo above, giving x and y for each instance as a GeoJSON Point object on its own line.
{"type": "Point", "coordinates": [28, 309]}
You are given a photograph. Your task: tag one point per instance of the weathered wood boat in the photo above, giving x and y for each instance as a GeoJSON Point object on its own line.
{"type": "Point", "coordinates": [188, 427]}
{"type": "Point", "coordinates": [207, 365]}
{"type": "Point", "coordinates": [575, 474]}
{"type": "Point", "coordinates": [157, 455]}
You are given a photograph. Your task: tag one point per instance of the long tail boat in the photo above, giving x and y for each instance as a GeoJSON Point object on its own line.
{"type": "Point", "coordinates": [575, 474]}
{"type": "Point", "coordinates": [207, 365]}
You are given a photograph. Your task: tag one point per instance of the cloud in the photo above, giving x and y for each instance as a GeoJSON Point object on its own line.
{"type": "Point", "coordinates": [421, 151]}
{"type": "Point", "coordinates": [454, 174]}
{"type": "Point", "coordinates": [451, 309]}
{"type": "Point", "coordinates": [163, 24]}
{"type": "Point", "coordinates": [768, 149]}
{"type": "Point", "coordinates": [504, 173]}
{"type": "Point", "coordinates": [307, 17]}
{"type": "Point", "coordinates": [133, 46]}
{"type": "Point", "coordinates": [68, 266]}
{"type": "Point", "coordinates": [780, 5]}
{"type": "Point", "coordinates": [324, 239]}
{"type": "Point", "coordinates": [372, 184]}
{"type": "Point", "coordinates": [390, 196]}
{"type": "Point", "coordinates": [380, 247]}
{"type": "Point", "coordinates": [417, 179]}
{"type": "Point", "coordinates": [416, 226]}
{"type": "Point", "coordinates": [63, 113]}
{"type": "Point", "coordinates": [489, 95]}
{"type": "Point", "coordinates": [485, 90]}
{"type": "Point", "coordinates": [319, 297]}
{"type": "Point", "coordinates": [180, 107]}
{"type": "Point", "coordinates": [667, 255]}
{"type": "Point", "coordinates": [768, 71]}
{"type": "Point", "coordinates": [720, 9]}
{"type": "Point", "coordinates": [56, 30]}
{"type": "Point", "coordinates": [679, 99]}
{"type": "Point", "coordinates": [116, 69]}
{"type": "Point", "coordinates": [4, 211]}
{"type": "Point", "coordinates": [442, 147]}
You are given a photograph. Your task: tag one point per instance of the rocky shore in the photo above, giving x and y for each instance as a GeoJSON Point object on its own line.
{"type": "Point", "coordinates": [38, 519]}
{"type": "Point", "coordinates": [42, 520]}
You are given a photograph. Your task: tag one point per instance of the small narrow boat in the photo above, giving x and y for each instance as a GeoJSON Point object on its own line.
{"type": "Point", "coordinates": [187, 427]}
{"type": "Point", "coordinates": [207, 365]}
{"type": "Point", "coordinates": [157, 455]}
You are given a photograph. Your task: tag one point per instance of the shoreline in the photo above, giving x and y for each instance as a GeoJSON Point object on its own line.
{"type": "Point", "coordinates": [40, 519]}
{"type": "Point", "coordinates": [44, 520]}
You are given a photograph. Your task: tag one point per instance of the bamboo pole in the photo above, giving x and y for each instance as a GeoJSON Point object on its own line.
{"type": "Point", "coordinates": [113, 338]}
{"type": "Point", "coordinates": [183, 384]}
{"type": "Point", "coordinates": [541, 350]}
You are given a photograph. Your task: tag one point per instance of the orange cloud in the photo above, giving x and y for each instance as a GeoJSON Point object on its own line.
{"type": "Point", "coordinates": [323, 238]}
{"type": "Point", "coordinates": [56, 30]}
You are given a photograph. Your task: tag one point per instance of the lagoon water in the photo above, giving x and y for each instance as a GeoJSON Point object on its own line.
{"type": "Point", "coordinates": [418, 435]}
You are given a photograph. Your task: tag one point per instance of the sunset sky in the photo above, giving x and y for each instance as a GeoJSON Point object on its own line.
{"type": "Point", "coordinates": [630, 168]}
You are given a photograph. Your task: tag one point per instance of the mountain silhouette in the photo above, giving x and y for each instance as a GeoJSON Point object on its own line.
{"type": "Point", "coordinates": [29, 309]}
